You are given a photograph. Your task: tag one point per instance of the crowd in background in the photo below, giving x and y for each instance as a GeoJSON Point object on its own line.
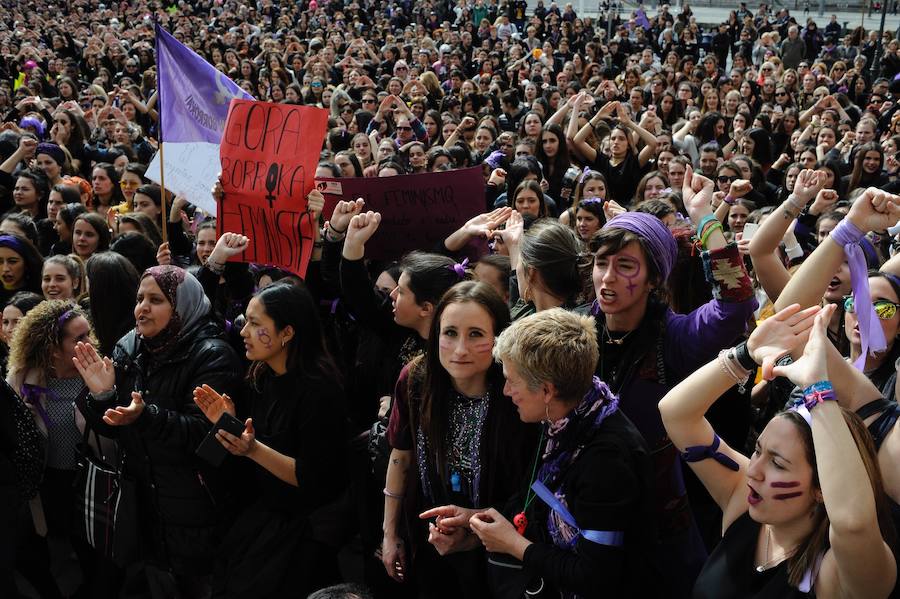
{"type": "Point", "coordinates": [661, 363]}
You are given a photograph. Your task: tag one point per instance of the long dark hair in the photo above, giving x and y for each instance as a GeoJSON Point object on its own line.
{"type": "Point", "coordinates": [292, 304]}
{"type": "Point", "coordinates": [436, 385]}
{"type": "Point", "coordinates": [113, 286]}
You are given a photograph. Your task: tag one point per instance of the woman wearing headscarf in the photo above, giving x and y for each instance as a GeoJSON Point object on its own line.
{"type": "Point", "coordinates": [143, 395]}
{"type": "Point", "coordinates": [646, 348]}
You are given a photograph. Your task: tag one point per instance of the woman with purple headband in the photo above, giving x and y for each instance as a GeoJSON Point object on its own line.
{"type": "Point", "coordinates": [805, 515]}
{"type": "Point", "coordinates": [646, 348]}
{"type": "Point", "coordinates": [42, 373]}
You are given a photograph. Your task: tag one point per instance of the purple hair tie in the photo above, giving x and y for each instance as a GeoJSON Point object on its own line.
{"type": "Point", "coordinates": [460, 268]}
{"type": "Point", "coordinates": [592, 202]}
{"type": "Point", "coordinates": [871, 336]}
{"type": "Point", "coordinates": [584, 174]}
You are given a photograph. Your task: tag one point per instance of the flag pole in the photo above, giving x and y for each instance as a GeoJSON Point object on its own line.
{"type": "Point", "coordinates": [162, 159]}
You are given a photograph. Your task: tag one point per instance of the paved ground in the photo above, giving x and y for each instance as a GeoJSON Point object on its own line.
{"type": "Point", "coordinates": [716, 14]}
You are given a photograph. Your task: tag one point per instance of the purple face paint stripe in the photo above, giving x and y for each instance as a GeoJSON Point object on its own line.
{"type": "Point", "coordinates": [786, 485]}
{"type": "Point", "coordinates": [783, 496]}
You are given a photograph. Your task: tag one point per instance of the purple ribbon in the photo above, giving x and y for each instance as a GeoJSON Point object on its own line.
{"type": "Point", "coordinates": [460, 268]}
{"type": "Point", "coordinates": [593, 202]}
{"type": "Point", "coordinates": [32, 396]}
{"type": "Point", "coordinates": [698, 453]}
{"type": "Point", "coordinates": [584, 174]}
{"type": "Point", "coordinates": [871, 337]}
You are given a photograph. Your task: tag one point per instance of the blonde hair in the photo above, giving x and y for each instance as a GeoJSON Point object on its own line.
{"type": "Point", "coordinates": [39, 334]}
{"type": "Point", "coordinates": [553, 346]}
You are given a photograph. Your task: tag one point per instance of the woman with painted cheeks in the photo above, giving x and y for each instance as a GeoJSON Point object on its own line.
{"type": "Point", "coordinates": [90, 234]}
{"type": "Point", "coordinates": [20, 266]}
{"type": "Point", "coordinates": [805, 515]}
{"type": "Point", "coordinates": [142, 395]}
{"type": "Point", "coordinates": [645, 347]}
{"type": "Point", "coordinates": [456, 440]}
{"type": "Point", "coordinates": [62, 278]}
{"type": "Point", "coordinates": [294, 435]}
{"type": "Point", "coordinates": [568, 531]}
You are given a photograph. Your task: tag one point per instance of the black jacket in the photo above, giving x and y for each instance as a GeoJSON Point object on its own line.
{"type": "Point", "coordinates": [179, 497]}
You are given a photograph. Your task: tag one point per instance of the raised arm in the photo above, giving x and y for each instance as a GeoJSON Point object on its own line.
{"type": "Point", "coordinates": [649, 150]}
{"type": "Point", "coordinates": [874, 210]}
{"type": "Point", "coordinates": [770, 270]}
{"type": "Point", "coordinates": [859, 562]}
{"type": "Point", "coordinates": [684, 407]}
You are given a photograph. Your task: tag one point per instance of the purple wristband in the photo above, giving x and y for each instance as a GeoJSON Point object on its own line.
{"type": "Point", "coordinates": [871, 336]}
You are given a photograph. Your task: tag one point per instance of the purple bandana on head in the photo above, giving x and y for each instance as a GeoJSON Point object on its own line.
{"type": "Point", "coordinates": [663, 249]}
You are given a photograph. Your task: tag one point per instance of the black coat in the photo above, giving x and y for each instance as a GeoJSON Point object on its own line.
{"type": "Point", "coordinates": [180, 503]}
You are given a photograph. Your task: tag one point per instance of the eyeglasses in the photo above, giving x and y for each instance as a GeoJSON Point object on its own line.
{"type": "Point", "coordinates": [726, 179]}
{"type": "Point", "coordinates": [404, 128]}
{"type": "Point", "coordinates": [884, 309]}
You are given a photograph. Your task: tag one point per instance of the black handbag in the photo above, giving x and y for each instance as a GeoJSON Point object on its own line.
{"type": "Point", "coordinates": [106, 505]}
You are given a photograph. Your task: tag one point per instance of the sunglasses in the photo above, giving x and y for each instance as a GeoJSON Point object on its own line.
{"type": "Point", "coordinates": [780, 93]}
{"type": "Point", "coordinates": [346, 110]}
{"type": "Point", "coordinates": [884, 309]}
{"type": "Point", "coordinates": [726, 179]}
{"type": "Point", "coordinates": [404, 128]}
{"type": "Point", "coordinates": [129, 184]}
{"type": "Point", "coordinates": [368, 100]}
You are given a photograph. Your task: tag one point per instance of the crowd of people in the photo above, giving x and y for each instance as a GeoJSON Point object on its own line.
{"type": "Point", "coordinates": [661, 363]}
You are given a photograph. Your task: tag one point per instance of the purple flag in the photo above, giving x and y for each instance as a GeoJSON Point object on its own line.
{"type": "Point", "coordinates": [194, 95]}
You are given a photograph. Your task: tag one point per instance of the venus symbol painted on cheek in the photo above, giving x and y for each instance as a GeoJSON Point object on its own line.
{"type": "Point", "coordinates": [786, 485]}
{"type": "Point", "coordinates": [263, 335]}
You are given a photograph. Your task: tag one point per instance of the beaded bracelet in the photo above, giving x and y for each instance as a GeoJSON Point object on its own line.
{"type": "Point", "coordinates": [817, 393]}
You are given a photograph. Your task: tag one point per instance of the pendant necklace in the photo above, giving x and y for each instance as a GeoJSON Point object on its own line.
{"type": "Point", "coordinates": [520, 521]}
{"type": "Point", "coordinates": [763, 567]}
{"type": "Point", "coordinates": [615, 340]}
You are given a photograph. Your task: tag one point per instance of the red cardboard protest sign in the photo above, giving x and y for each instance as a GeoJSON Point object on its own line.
{"type": "Point", "coordinates": [417, 211]}
{"type": "Point", "coordinates": [269, 154]}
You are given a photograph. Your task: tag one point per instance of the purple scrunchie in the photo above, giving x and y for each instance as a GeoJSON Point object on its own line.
{"type": "Point", "coordinates": [663, 249]}
{"type": "Point", "coordinates": [460, 269]}
{"type": "Point", "coordinates": [871, 337]}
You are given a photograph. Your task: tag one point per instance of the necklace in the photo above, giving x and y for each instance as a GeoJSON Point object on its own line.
{"type": "Point", "coordinates": [770, 562]}
{"type": "Point", "coordinates": [520, 521]}
{"type": "Point", "coordinates": [615, 340]}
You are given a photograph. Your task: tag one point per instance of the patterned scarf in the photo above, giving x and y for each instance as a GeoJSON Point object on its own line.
{"type": "Point", "coordinates": [565, 440]}
{"type": "Point", "coordinates": [189, 305]}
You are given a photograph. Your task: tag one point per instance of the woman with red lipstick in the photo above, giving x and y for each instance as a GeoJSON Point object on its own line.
{"type": "Point", "coordinates": [461, 442]}
{"type": "Point", "coordinates": [815, 520]}
{"type": "Point", "coordinates": [294, 434]}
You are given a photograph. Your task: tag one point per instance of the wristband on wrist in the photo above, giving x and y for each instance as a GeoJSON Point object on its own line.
{"type": "Point", "coordinates": [797, 204]}
{"type": "Point", "coordinates": [729, 199]}
{"type": "Point", "coordinates": [817, 393]}
{"type": "Point", "coordinates": [704, 238]}
{"type": "Point", "coordinates": [703, 221]}
{"type": "Point", "coordinates": [743, 357]}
